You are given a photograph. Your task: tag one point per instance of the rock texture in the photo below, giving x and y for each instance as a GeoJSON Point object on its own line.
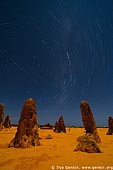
{"type": "Point", "coordinates": [1, 116]}
{"type": "Point", "coordinates": [110, 124]}
{"type": "Point", "coordinates": [27, 131]}
{"type": "Point", "coordinates": [60, 126]}
{"type": "Point", "coordinates": [88, 144]}
{"type": "Point", "coordinates": [88, 120]}
{"type": "Point", "coordinates": [7, 122]}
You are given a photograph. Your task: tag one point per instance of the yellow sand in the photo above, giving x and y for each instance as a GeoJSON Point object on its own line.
{"type": "Point", "coordinates": [56, 153]}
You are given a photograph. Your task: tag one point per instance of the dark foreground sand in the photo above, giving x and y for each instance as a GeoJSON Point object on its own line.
{"type": "Point", "coordinates": [56, 153]}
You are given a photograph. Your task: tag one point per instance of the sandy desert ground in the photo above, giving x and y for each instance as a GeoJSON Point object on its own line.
{"type": "Point", "coordinates": [55, 153]}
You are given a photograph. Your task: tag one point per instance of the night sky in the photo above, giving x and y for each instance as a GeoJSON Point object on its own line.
{"type": "Point", "coordinates": [58, 52]}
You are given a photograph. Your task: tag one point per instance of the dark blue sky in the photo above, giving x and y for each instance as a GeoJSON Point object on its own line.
{"type": "Point", "coordinates": [59, 52]}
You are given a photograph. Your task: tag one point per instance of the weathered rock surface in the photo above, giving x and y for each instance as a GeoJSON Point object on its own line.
{"type": "Point", "coordinates": [27, 131]}
{"type": "Point", "coordinates": [7, 122]}
{"type": "Point", "coordinates": [1, 116]}
{"type": "Point", "coordinates": [88, 144]}
{"type": "Point", "coordinates": [60, 126]}
{"type": "Point", "coordinates": [88, 120]}
{"type": "Point", "coordinates": [110, 124]}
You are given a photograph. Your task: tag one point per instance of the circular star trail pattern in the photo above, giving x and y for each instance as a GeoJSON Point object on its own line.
{"type": "Point", "coordinates": [60, 53]}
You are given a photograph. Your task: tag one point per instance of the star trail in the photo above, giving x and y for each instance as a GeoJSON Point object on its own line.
{"type": "Point", "coordinates": [60, 53]}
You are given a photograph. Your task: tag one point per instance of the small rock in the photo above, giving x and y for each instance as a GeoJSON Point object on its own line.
{"type": "Point", "coordinates": [88, 144]}
{"type": "Point", "coordinates": [49, 136]}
